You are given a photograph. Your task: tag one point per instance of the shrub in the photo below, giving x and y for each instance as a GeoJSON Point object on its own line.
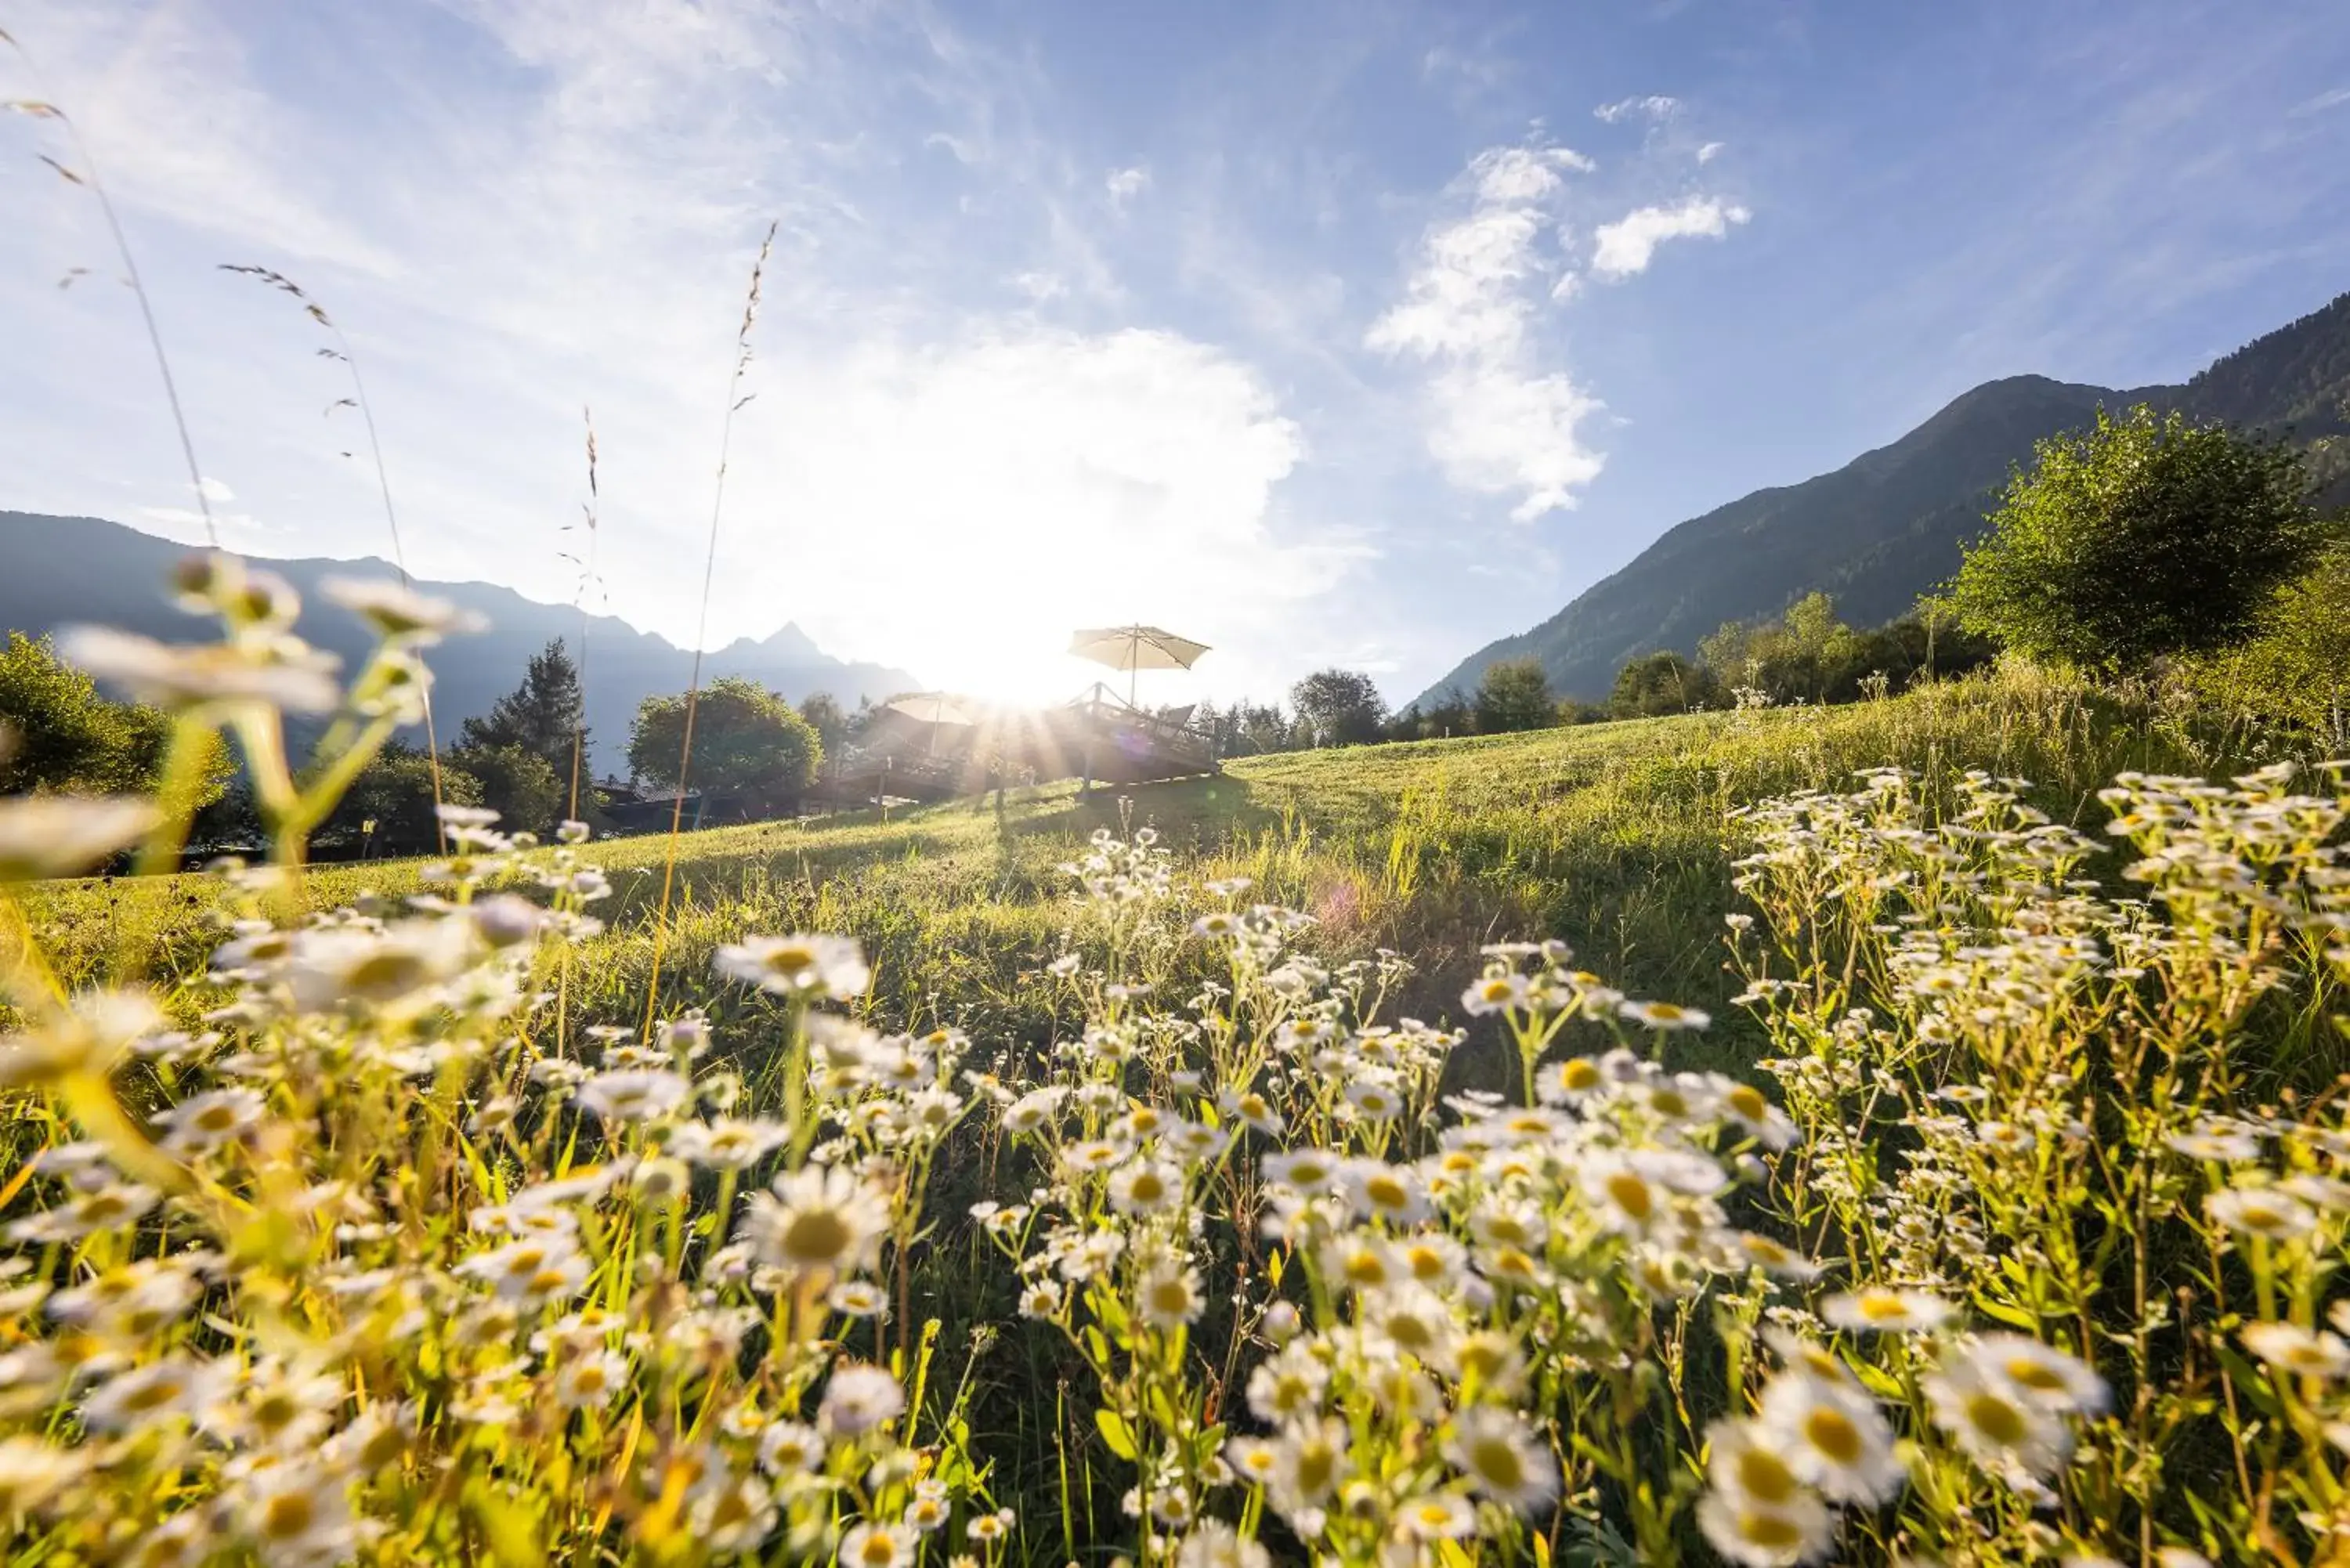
{"type": "Point", "coordinates": [746, 740]}
{"type": "Point", "coordinates": [1514, 695]}
{"type": "Point", "coordinates": [57, 732]}
{"type": "Point", "coordinates": [2141, 537]}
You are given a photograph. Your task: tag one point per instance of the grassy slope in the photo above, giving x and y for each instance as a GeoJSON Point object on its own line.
{"type": "Point", "coordinates": [1610, 836]}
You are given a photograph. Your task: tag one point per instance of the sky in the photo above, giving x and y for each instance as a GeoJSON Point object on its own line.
{"type": "Point", "coordinates": [1353, 332]}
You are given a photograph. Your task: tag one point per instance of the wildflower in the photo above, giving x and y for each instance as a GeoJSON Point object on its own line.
{"type": "Point", "coordinates": [1832, 1435]}
{"type": "Point", "coordinates": [730, 1513]}
{"type": "Point", "coordinates": [805, 968]}
{"type": "Point", "coordinates": [859, 1399]}
{"type": "Point", "coordinates": [590, 1381]}
{"type": "Point", "coordinates": [726, 1143]}
{"type": "Point", "coordinates": [2298, 1351]}
{"type": "Point", "coordinates": [1762, 1252]}
{"type": "Point", "coordinates": [85, 1036]}
{"type": "Point", "coordinates": [1882, 1310]}
{"type": "Point", "coordinates": [1570, 1080]}
{"type": "Point", "coordinates": [870, 1545]}
{"type": "Point", "coordinates": [1441, 1516]}
{"type": "Point", "coordinates": [45, 836]}
{"type": "Point", "coordinates": [1169, 1295]}
{"type": "Point", "coordinates": [398, 614]}
{"type": "Point", "coordinates": [536, 1268]}
{"type": "Point", "coordinates": [1663, 1016]}
{"type": "Point", "coordinates": [822, 1216]}
{"type": "Point", "coordinates": [1756, 1534]}
{"type": "Point", "coordinates": [1497, 1452]}
{"type": "Point", "coordinates": [173, 1386]}
{"type": "Point", "coordinates": [1497, 993]}
{"type": "Point", "coordinates": [1145, 1187]}
{"type": "Point", "coordinates": [87, 1213]}
{"type": "Point", "coordinates": [1212, 1543]}
{"type": "Point", "coordinates": [1304, 1170]}
{"type": "Point", "coordinates": [634, 1095]}
{"type": "Point", "coordinates": [1255, 1461]}
{"type": "Point", "coordinates": [285, 675]}
{"type": "Point", "coordinates": [206, 1121]}
{"type": "Point", "coordinates": [1288, 1385]}
{"type": "Point", "coordinates": [1995, 1422]}
{"type": "Point", "coordinates": [2260, 1212]}
{"type": "Point", "coordinates": [2045, 1375]}
{"type": "Point", "coordinates": [296, 1513]}
{"type": "Point", "coordinates": [2215, 1145]}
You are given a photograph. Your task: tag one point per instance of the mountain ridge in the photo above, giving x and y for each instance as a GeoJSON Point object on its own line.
{"type": "Point", "coordinates": [1893, 521]}
{"type": "Point", "coordinates": [58, 571]}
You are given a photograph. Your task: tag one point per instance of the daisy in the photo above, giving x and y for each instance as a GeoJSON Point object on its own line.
{"type": "Point", "coordinates": [1145, 1187]}
{"type": "Point", "coordinates": [297, 1514]}
{"type": "Point", "coordinates": [819, 1218]}
{"type": "Point", "coordinates": [1169, 1295]}
{"type": "Point", "coordinates": [2292, 1349]}
{"type": "Point", "coordinates": [805, 968]}
{"type": "Point", "coordinates": [1882, 1310]}
{"type": "Point", "coordinates": [2045, 1375]}
{"type": "Point", "coordinates": [1995, 1422]}
{"type": "Point", "coordinates": [1441, 1516]}
{"type": "Point", "coordinates": [791, 1448]}
{"type": "Point", "coordinates": [1255, 1461]}
{"type": "Point", "coordinates": [1304, 1170]}
{"type": "Point", "coordinates": [1832, 1437]}
{"type": "Point", "coordinates": [2260, 1212]}
{"type": "Point", "coordinates": [174, 1386]}
{"type": "Point", "coordinates": [1496, 1451]}
{"type": "Point", "coordinates": [534, 1269]}
{"type": "Point", "coordinates": [45, 836]}
{"type": "Point", "coordinates": [1497, 993]}
{"type": "Point", "coordinates": [1212, 1543]}
{"type": "Point", "coordinates": [636, 1094]}
{"type": "Point", "coordinates": [1310, 1460]}
{"type": "Point", "coordinates": [1757, 1535]}
{"type": "Point", "coordinates": [859, 1298]}
{"type": "Point", "coordinates": [589, 1381]}
{"type": "Point", "coordinates": [1663, 1016]}
{"type": "Point", "coordinates": [725, 1143]}
{"type": "Point", "coordinates": [859, 1399]}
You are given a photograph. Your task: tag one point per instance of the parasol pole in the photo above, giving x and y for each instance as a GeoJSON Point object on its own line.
{"type": "Point", "coordinates": [1133, 663]}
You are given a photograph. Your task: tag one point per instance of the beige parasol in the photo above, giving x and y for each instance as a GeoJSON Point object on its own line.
{"type": "Point", "coordinates": [1133, 648]}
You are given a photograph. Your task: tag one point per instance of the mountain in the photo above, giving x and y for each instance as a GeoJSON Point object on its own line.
{"type": "Point", "coordinates": [1893, 523]}
{"type": "Point", "coordinates": [63, 571]}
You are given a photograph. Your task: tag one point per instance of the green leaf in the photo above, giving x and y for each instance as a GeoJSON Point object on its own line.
{"type": "Point", "coordinates": [1116, 1433]}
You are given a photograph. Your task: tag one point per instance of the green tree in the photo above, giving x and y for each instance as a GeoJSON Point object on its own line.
{"type": "Point", "coordinates": [539, 715]}
{"type": "Point", "coordinates": [2295, 669]}
{"type": "Point", "coordinates": [1514, 695]}
{"type": "Point", "coordinates": [824, 714]}
{"type": "Point", "coordinates": [746, 741]}
{"type": "Point", "coordinates": [520, 785]}
{"type": "Point", "coordinates": [1341, 707]}
{"type": "Point", "coordinates": [387, 809]}
{"type": "Point", "coordinates": [68, 737]}
{"type": "Point", "coordinates": [2142, 537]}
{"type": "Point", "coordinates": [1662, 682]}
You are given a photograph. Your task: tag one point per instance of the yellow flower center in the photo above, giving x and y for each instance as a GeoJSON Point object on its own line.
{"type": "Point", "coordinates": [1762, 1474]}
{"type": "Point", "coordinates": [816, 1236]}
{"type": "Point", "coordinates": [1631, 1195]}
{"type": "Point", "coordinates": [1832, 1432]}
{"type": "Point", "coordinates": [1996, 1419]}
{"type": "Point", "coordinates": [287, 1515]}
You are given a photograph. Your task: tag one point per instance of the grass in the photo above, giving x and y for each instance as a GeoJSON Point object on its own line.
{"type": "Point", "coordinates": [1610, 836]}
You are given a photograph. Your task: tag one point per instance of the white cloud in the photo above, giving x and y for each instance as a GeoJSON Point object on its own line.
{"type": "Point", "coordinates": [1655, 105]}
{"type": "Point", "coordinates": [1627, 246]}
{"type": "Point", "coordinates": [212, 489]}
{"type": "Point", "coordinates": [1125, 184]}
{"type": "Point", "coordinates": [1501, 423]}
{"type": "Point", "coordinates": [1709, 152]}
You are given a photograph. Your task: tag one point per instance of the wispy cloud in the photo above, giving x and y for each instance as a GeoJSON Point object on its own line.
{"type": "Point", "coordinates": [1125, 184]}
{"type": "Point", "coordinates": [1627, 246]}
{"type": "Point", "coordinates": [1503, 423]}
{"type": "Point", "coordinates": [1655, 106]}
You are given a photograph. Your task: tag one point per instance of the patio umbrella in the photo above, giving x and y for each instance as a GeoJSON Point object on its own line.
{"type": "Point", "coordinates": [932, 708]}
{"type": "Point", "coordinates": [1133, 648]}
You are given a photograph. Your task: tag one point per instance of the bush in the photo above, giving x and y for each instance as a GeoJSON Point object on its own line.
{"type": "Point", "coordinates": [1339, 707]}
{"type": "Point", "coordinates": [389, 808]}
{"type": "Point", "coordinates": [1514, 695]}
{"type": "Point", "coordinates": [746, 741]}
{"type": "Point", "coordinates": [1664, 683]}
{"type": "Point", "coordinates": [2139, 538]}
{"type": "Point", "coordinates": [59, 734]}
{"type": "Point", "coordinates": [2294, 672]}
{"type": "Point", "coordinates": [520, 785]}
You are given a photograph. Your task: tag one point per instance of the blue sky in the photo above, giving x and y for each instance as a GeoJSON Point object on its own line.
{"type": "Point", "coordinates": [1352, 332]}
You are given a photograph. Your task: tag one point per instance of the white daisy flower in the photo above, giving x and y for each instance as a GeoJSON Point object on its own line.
{"type": "Point", "coordinates": [1499, 1455]}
